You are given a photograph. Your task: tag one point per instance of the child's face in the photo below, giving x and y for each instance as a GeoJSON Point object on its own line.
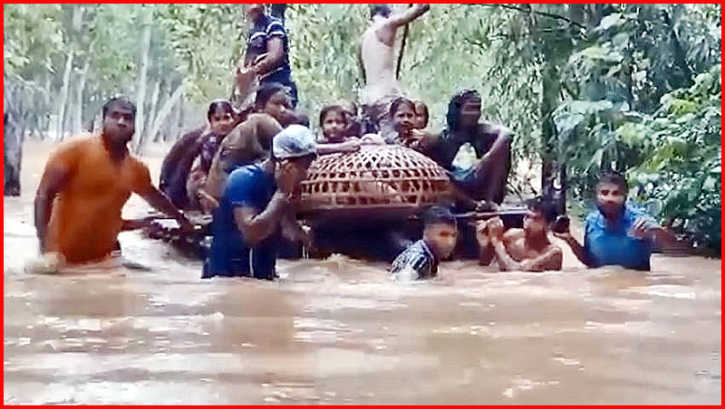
{"type": "Point", "coordinates": [333, 126]}
{"type": "Point", "coordinates": [442, 237]}
{"type": "Point", "coordinates": [221, 122]}
{"type": "Point", "coordinates": [403, 119]}
{"type": "Point", "coordinates": [279, 106]}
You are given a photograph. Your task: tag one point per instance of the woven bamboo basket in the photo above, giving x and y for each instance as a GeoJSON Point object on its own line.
{"type": "Point", "coordinates": [378, 181]}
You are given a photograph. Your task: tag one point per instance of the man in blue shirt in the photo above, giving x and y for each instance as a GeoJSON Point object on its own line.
{"type": "Point", "coordinates": [257, 205]}
{"type": "Point", "coordinates": [267, 56]}
{"type": "Point", "coordinates": [617, 233]}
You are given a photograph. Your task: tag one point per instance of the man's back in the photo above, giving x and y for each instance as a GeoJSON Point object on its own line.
{"type": "Point", "coordinates": [249, 142]}
{"type": "Point", "coordinates": [86, 217]}
{"type": "Point", "coordinates": [378, 59]}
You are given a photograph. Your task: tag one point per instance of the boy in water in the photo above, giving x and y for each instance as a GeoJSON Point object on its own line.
{"type": "Point", "coordinates": [617, 233]}
{"type": "Point", "coordinates": [527, 249]}
{"type": "Point", "coordinates": [420, 260]}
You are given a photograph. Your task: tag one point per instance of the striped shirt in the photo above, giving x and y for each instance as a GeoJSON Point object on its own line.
{"type": "Point", "coordinates": [417, 257]}
{"type": "Point", "coordinates": [257, 40]}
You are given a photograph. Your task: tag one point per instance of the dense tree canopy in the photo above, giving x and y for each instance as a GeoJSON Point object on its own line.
{"type": "Point", "coordinates": [631, 87]}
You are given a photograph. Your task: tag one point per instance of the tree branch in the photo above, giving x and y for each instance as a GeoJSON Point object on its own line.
{"type": "Point", "coordinates": [540, 13]}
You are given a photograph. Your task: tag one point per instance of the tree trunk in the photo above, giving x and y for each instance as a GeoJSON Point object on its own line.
{"type": "Point", "coordinates": [153, 108]}
{"type": "Point", "coordinates": [78, 105]}
{"type": "Point", "coordinates": [63, 98]}
{"type": "Point", "coordinates": [549, 99]}
{"type": "Point", "coordinates": [166, 109]}
{"type": "Point", "coordinates": [178, 124]}
{"type": "Point", "coordinates": [12, 142]}
{"type": "Point", "coordinates": [97, 123]}
{"type": "Point", "coordinates": [141, 85]}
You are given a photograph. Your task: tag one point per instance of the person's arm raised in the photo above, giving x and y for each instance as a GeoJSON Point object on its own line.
{"type": "Point", "coordinates": [499, 241]}
{"type": "Point", "coordinates": [405, 17]}
{"type": "Point", "coordinates": [648, 228]}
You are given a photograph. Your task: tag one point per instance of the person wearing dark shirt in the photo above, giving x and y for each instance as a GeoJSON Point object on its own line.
{"type": "Point", "coordinates": [483, 185]}
{"type": "Point", "coordinates": [420, 260]}
{"type": "Point", "coordinates": [617, 233]}
{"type": "Point", "coordinates": [258, 206]}
{"type": "Point", "coordinates": [267, 56]}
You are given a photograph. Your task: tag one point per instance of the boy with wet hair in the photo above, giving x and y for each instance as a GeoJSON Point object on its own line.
{"type": "Point", "coordinates": [527, 249]}
{"type": "Point", "coordinates": [420, 260]}
{"type": "Point", "coordinates": [617, 233]}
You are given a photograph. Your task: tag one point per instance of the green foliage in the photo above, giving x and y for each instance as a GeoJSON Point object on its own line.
{"type": "Point", "coordinates": [680, 178]}
{"type": "Point", "coordinates": [645, 100]}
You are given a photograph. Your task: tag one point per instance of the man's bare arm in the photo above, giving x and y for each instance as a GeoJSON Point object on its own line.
{"type": "Point", "coordinates": [270, 60]}
{"type": "Point", "coordinates": [576, 248]}
{"type": "Point", "coordinates": [405, 17]}
{"type": "Point", "coordinates": [258, 226]}
{"type": "Point", "coordinates": [551, 260]}
{"type": "Point", "coordinates": [54, 179]}
{"type": "Point", "coordinates": [161, 202]}
{"type": "Point", "coordinates": [505, 262]}
{"type": "Point", "coordinates": [501, 144]}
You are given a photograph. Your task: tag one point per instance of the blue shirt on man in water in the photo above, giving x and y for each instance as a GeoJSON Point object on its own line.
{"type": "Point", "coordinates": [230, 255]}
{"type": "Point", "coordinates": [610, 244]}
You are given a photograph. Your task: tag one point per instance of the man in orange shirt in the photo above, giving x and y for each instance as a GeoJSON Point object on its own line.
{"type": "Point", "coordinates": [85, 185]}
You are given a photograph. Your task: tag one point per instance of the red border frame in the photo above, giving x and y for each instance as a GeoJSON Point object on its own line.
{"type": "Point", "coordinates": [311, 2]}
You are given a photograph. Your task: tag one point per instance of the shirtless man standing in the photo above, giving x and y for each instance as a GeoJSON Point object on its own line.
{"type": "Point", "coordinates": [85, 185]}
{"type": "Point", "coordinates": [376, 56]}
{"type": "Point", "coordinates": [527, 249]}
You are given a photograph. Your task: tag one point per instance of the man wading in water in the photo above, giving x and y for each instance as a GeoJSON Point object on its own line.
{"type": "Point", "coordinates": [617, 232]}
{"type": "Point", "coordinates": [84, 187]}
{"type": "Point", "coordinates": [527, 249]}
{"type": "Point", "coordinates": [259, 203]}
{"type": "Point", "coordinates": [376, 56]}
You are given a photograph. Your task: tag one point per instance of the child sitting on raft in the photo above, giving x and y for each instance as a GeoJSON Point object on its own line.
{"type": "Point", "coordinates": [222, 119]}
{"type": "Point", "coordinates": [335, 127]}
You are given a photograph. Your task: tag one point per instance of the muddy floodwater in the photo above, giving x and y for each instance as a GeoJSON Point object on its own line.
{"type": "Point", "coordinates": [339, 331]}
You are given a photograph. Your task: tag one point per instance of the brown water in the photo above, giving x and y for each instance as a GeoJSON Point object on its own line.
{"type": "Point", "coordinates": [339, 331]}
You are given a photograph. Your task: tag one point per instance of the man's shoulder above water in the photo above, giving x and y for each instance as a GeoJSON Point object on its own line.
{"type": "Point", "coordinates": [595, 218]}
